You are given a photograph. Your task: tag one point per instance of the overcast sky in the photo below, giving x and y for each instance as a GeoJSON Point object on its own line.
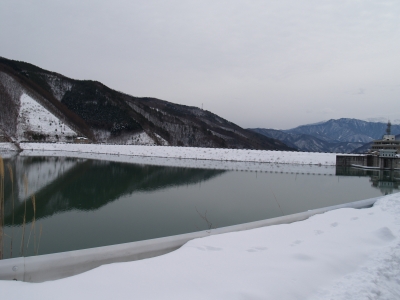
{"type": "Point", "coordinates": [271, 64]}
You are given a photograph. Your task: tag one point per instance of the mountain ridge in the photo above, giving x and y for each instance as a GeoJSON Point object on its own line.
{"type": "Point", "coordinates": [343, 135]}
{"type": "Point", "coordinates": [103, 115]}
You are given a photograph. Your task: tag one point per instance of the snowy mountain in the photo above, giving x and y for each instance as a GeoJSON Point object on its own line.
{"type": "Point", "coordinates": [345, 130]}
{"type": "Point", "coordinates": [340, 136]}
{"type": "Point", "coordinates": [43, 106]}
{"type": "Point", "coordinates": [308, 143]}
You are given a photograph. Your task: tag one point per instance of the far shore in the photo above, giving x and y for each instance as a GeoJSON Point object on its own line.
{"type": "Point", "coordinates": [215, 154]}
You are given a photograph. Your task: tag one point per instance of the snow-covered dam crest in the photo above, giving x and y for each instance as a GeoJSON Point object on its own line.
{"type": "Point", "coordinates": [219, 154]}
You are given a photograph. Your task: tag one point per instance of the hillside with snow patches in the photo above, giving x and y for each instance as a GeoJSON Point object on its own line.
{"type": "Point", "coordinates": [92, 110]}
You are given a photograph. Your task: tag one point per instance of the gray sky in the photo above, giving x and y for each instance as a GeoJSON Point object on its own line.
{"type": "Point", "coordinates": [272, 64]}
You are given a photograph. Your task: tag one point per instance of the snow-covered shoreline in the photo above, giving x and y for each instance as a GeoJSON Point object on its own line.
{"type": "Point", "coordinates": [258, 156]}
{"type": "Point", "coordinates": [8, 147]}
{"type": "Point", "coordinates": [341, 254]}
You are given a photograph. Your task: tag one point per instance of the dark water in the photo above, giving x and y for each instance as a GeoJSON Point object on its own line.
{"type": "Point", "coordinates": [83, 203]}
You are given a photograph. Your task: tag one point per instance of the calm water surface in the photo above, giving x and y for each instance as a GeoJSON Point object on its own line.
{"type": "Point", "coordinates": [82, 203]}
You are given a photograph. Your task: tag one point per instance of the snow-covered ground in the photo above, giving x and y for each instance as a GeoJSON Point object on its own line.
{"type": "Point", "coordinates": [141, 139]}
{"type": "Point", "coordinates": [34, 118]}
{"type": "Point", "coordinates": [341, 254]}
{"type": "Point", "coordinates": [7, 147]}
{"type": "Point", "coordinates": [281, 157]}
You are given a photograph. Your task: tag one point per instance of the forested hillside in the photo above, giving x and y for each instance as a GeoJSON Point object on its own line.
{"type": "Point", "coordinates": [40, 105]}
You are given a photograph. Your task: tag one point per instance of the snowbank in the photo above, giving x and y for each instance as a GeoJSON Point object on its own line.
{"type": "Point", "coordinates": [342, 254]}
{"type": "Point", "coordinates": [8, 147]}
{"type": "Point", "coordinates": [282, 157]}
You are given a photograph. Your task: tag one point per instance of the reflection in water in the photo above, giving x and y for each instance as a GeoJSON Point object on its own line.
{"type": "Point", "coordinates": [387, 181]}
{"type": "Point", "coordinates": [65, 184]}
{"type": "Point", "coordinates": [82, 203]}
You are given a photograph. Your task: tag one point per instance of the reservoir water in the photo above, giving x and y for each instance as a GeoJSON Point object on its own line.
{"type": "Point", "coordinates": [55, 204]}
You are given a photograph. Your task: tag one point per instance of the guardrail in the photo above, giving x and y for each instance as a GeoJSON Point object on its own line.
{"type": "Point", "coordinates": [60, 265]}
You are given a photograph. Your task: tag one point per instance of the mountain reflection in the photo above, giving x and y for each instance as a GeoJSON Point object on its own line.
{"type": "Point", "coordinates": [62, 184]}
{"type": "Point", "coordinates": [387, 181]}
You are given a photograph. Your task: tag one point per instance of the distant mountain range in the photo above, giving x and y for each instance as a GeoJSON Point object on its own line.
{"type": "Point", "coordinates": [340, 136]}
{"type": "Point", "coordinates": [43, 106]}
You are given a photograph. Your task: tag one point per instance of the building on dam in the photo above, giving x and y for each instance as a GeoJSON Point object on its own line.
{"type": "Point", "coordinates": [383, 154]}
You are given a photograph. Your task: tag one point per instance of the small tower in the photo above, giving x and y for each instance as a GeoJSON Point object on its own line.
{"type": "Point", "coordinates": [388, 128]}
{"type": "Point", "coordinates": [388, 136]}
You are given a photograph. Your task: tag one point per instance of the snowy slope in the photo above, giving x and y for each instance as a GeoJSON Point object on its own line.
{"type": "Point", "coordinates": [138, 139]}
{"type": "Point", "coordinates": [36, 121]}
{"type": "Point", "coordinates": [345, 130]}
{"type": "Point", "coordinates": [141, 138]}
